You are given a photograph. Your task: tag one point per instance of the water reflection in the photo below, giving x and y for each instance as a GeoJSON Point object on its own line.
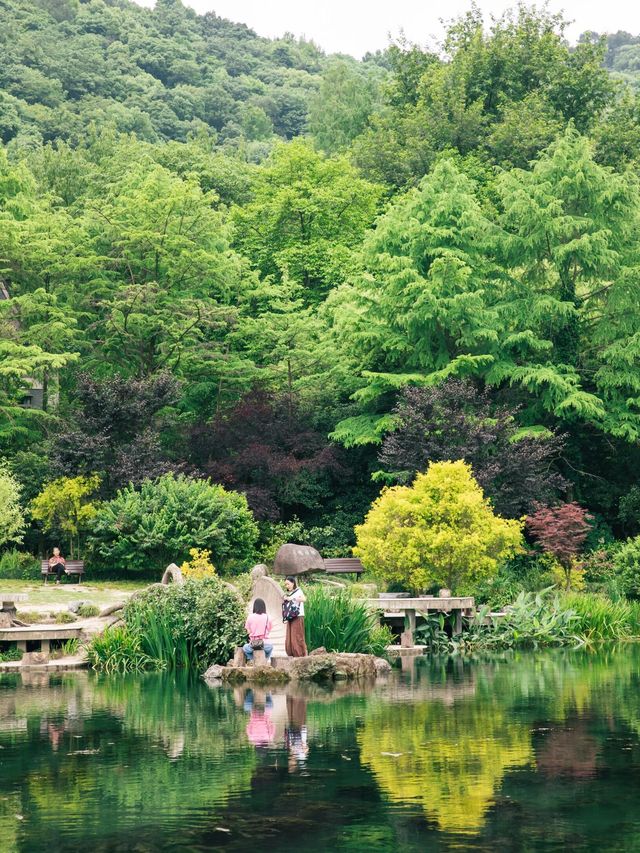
{"type": "Point", "coordinates": [259, 705]}
{"type": "Point", "coordinates": [510, 753]}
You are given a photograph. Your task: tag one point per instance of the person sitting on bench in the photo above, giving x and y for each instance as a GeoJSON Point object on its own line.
{"type": "Point", "coordinates": [57, 564]}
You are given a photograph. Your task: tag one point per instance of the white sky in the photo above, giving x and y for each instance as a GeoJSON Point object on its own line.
{"type": "Point", "coordinates": [356, 26]}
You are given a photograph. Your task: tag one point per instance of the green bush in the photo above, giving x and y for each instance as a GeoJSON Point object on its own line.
{"type": "Point", "coordinates": [65, 618]}
{"type": "Point", "coordinates": [626, 561]}
{"type": "Point", "coordinates": [525, 572]}
{"type": "Point", "coordinates": [193, 625]}
{"type": "Point", "coordinates": [118, 650]}
{"type": "Point", "coordinates": [600, 573]}
{"type": "Point", "coordinates": [19, 566]}
{"type": "Point", "coordinates": [331, 540]}
{"type": "Point", "coordinates": [87, 611]}
{"type": "Point", "coordinates": [532, 620]}
{"type": "Point", "coordinates": [145, 528]}
{"type": "Point", "coordinates": [542, 619]}
{"type": "Point", "coordinates": [10, 655]}
{"type": "Point", "coordinates": [342, 623]}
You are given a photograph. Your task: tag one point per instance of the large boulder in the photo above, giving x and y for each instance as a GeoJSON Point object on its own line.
{"type": "Point", "coordinates": [382, 666]}
{"type": "Point", "coordinates": [320, 667]}
{"type": "Point", "coordinates": [214, 673]}
{"type": "Point", "coordinates": [296, 559]}
{"type": "Point", "coordinates": [334, 666]}
{"type": "Point", "coordinates": [256, 674]}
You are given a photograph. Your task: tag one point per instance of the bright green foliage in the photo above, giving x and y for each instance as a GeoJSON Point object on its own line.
{"type": "Point", "coordinates": [193, 625]}
{"type": "Point", "coordinates": [426, 306]}
{"type": "Point", "coordinates": [600, 619]}
{"type": "Point", "coordinates": [571, 246]}
{"type": "Point", "coordinates": [144, 529]}
{"type": "Point", "coordinates": [340, 110]}
{"type": "Point", "coordinates": [441, 530]}
{"type": "Point", "coordinates": [19, 565]}
{"type": "Point", "coordinates": [178, 282]}
{"type": "Point", "coordinates": [163, 73]}
{"type": "Point", "coordinates": [11, 654]}
{"type": "Point", "coordinates": [539, 296]}
{"type": "Point", "coordinates": [306, 215]}
{"type": "Point", "coordinates": [342, 623]}
{"type": "Point", "coordinates": [66, 506]}
{"type": "Point", "coordinates": [504, 91]}
{"type": "Point", "coordinates": [12, 521]}
{"type": "Point", "coordinates": [626, 562]}
{"type": "Point", "coordinates": [179, 196]}
{"type": "Point", "coordinates": [539, 619]}
{"type": "Point", "coordinates": [534, 619]}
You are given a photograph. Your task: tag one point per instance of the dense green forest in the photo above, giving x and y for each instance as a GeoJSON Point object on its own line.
{"type": "Point", "coordinates": [305, 276]}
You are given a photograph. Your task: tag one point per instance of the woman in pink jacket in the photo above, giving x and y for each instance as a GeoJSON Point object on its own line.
{"type": "Point", "coordinates": [258, 626]}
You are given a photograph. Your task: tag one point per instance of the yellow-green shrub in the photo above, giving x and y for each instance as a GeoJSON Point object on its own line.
{"type": "Point", "coordinates": [440, 530]}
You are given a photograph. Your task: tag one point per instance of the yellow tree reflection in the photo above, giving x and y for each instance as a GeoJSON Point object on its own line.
{"type": "Point", "coordinates": [449, 760]}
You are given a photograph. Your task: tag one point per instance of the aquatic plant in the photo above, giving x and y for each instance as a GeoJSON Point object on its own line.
{"type": "Point", "coordinates": [119, 650]}
{"type": "Point", "coordinates": [10, 655]}
{"type": "Point", "coordinates": [598, 618]}
{"type": "Point", "coordinates": [533, 620]}
{"type": "Point", "coordinates": [342, 623]}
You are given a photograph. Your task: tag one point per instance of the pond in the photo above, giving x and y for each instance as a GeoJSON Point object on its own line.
{"type": "Point", "coordinates": [535, 751]}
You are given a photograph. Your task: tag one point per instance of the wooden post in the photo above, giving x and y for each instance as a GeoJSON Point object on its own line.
{"type": "Point", "coordinates": [457, 625]}
{"type": "Point", "coordinates": [22, 645]}
{"type": "Point", "coordinates": [45, 646]}
{"type": "Point", "coordinates": [407, 637]}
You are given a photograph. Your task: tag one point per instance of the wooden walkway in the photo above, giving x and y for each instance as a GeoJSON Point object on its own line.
{"type": "Point", "coordinates": [39, 633]}
{"type": "Point", "coordinates": [409, 608]}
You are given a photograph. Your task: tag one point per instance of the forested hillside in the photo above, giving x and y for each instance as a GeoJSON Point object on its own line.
{"type": "Point", "coordinates": [238, 258]}
{"type": "Point", "coordinates": [69, 67]}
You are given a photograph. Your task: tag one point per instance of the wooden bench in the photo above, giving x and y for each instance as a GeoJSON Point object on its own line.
{"type": "Point", "coordinates": [73, 567]}
{"type": "Point", "coordinates": [343, 566]}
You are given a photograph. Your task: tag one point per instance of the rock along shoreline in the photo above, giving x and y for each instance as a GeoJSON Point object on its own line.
{"type": "Point", "coordinates": [319, 666]}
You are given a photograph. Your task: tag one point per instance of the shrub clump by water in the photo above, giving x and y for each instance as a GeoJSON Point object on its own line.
{"type": "Point", "coordinates": [193, 625]}
{"type": "Point", "coordinates": [342, 623]}
{"type": "Point", "coordinates": [547, 619]}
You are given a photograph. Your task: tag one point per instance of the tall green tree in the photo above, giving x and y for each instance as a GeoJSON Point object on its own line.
{"type": "Point", "coordinates": [306, 216]}
{"type": "Point", "coordinates": [537, 296]}
{"type": "Point", "coordinates": [340, 110]}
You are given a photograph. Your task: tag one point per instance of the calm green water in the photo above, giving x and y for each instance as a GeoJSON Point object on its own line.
{"type": "Point", "coordinates": [531, 752]}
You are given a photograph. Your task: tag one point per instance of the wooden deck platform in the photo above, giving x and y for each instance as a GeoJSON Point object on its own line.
{"type": "Point", "coordinates": [409, 608]}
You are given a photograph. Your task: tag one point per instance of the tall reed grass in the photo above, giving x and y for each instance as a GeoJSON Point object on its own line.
{"type": "Point", "coordinates": [161, 640]}
{"type": "Point", "coordinates": [342, 623]}
{"type": "Point", "coordinates": [118, 650]}
{"type": "Point", "coordinates": [599, 618]}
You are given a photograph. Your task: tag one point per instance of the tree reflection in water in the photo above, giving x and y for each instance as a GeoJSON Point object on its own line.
{"type": "Point", "coordinates": [444, 756]}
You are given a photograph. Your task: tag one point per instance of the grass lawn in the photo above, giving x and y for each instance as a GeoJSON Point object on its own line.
{"type": "Point", "coordinates": [42, 599]}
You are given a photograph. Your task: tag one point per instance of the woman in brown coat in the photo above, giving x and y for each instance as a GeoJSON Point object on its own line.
{"type": "Point", "coordinates": [294, 644]}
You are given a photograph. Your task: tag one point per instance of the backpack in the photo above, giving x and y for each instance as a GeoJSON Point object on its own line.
{"type": "Point", "coordinates": [290, 610]}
